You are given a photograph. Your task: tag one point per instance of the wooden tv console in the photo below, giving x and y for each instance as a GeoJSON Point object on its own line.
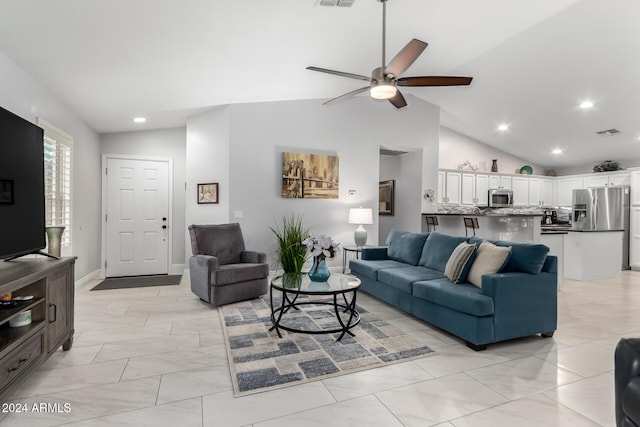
{"type": "Point", "coordinates": [24, 348]}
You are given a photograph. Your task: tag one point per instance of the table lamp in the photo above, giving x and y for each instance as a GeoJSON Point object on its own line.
{"type": "Point", "coordinates": [360, 216]}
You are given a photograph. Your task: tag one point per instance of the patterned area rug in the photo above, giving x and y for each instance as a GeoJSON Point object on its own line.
{"type": "Point", "coordinates": [259, 360]}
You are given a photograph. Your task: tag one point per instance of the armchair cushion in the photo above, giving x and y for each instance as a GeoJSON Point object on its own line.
{"type": "Point", "coordinates": [234, 273]}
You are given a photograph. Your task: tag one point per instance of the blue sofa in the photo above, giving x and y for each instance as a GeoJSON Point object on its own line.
{"type": "Point", "coordinates": [518, 301]}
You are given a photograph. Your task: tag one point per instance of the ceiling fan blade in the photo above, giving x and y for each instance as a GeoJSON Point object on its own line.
{"type": "Point", "coordinates": [346, 95]}
{"type": "Point", "coordinates": [434, 81]}
{"type": "Point", "coordinates": [340, 73]}
{"type": "Point", "coordinates": [398, 100]}
{"type": "Point", "coordinates": [405, 57]}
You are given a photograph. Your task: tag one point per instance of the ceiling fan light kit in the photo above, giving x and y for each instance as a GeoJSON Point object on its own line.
{"type": "Point", "coordinates": [384, 80]}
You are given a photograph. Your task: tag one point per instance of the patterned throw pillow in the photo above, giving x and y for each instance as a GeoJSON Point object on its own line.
{"type": "Point", "coordinates": [489, 260]}
{"type": "Point", "coordinates": [459, 262]}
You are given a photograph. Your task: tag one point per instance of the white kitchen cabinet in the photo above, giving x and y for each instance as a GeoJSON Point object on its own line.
{"type": "Point", "coordinates": [540, 192]}
{"type": "Point", "coordinates": [546, 192]}
{"type": "Point", "coordinates": [634, 238]}
{"type": "Point", "coordinates": [482, 190]}
{"type": "Point", "coordinates": [635, 188]}
{"type": "Point", "coordinates": [449, 187]}
{"type": "Point", "coordinates": [499, 181]}
{"type": "Point", "coordinates": [475, 189]}
{"type": "Point", "coordinates": [605, 180]}
{"type": "Point", "coordinates": [520, 188]}
{"type": "Point", "coordinates": [564, 190]}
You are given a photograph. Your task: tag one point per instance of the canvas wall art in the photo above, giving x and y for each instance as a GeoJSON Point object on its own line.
{"type": "Point", "coordinates": [310, 176]}
{"type": "Point", "coordinates": [208, 193]}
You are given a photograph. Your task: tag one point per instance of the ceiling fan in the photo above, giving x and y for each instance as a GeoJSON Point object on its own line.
{"type": "Point", "coordinates": [384, 80]}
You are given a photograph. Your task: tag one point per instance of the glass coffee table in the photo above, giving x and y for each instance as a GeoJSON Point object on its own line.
{"type": "Point", "coordinates": [293, 285]}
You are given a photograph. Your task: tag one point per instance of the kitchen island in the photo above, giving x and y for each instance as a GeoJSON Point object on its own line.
{"type": "Point", "coordinates": [517, 225]}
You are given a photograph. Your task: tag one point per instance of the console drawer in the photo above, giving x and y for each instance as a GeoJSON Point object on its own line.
{"type": "Point", "coordinates": [20, 359]}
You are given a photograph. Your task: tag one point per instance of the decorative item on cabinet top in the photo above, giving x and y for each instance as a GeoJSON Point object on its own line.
{"type": "Point", "coordinates": [607, 166]}
{"type": "Point", "coordinates": [526, 170]}
{"type": "Point", "coordinates": [467, 166]}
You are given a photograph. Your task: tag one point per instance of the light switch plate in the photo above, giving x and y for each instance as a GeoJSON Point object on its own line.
{"type": "Point", "coordinates": [237, 214]}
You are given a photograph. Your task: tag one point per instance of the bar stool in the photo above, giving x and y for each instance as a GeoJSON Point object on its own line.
{"type": "Point", "coordinates": [432, 221]}
{"type": "Point", "coordinates": [470, 223]}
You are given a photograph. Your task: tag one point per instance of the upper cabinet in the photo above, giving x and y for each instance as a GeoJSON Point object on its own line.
{"type": "Point", "coordinates": [500, 181]}
{"type": "Point", "coordinates": [475, 189]}
{"type": "Point", "coordinates": [564, 190]}
{"type": "Point", "coordinates": [605, 179]}
{"type": "Point", "coordinates": [449, 187]}
{"type": "Point", "coordinates": [540, 191]}
{"type": "Point", "coordinates": [520, 188]}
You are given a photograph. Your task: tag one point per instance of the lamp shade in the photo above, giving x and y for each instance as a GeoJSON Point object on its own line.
{"type": "Point", "coordinates": [360, 216]}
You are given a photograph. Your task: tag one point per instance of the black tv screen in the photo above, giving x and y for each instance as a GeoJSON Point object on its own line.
{"type": "Point", "coordinates": [22, 210]}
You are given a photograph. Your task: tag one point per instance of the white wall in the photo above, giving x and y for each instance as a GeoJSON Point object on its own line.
{"type": "Point", "coordinates": [455, 148]}
{"type": "Point", "coordinates": [253, 137]}
{"type": "Point", "coordinates": [24, 96]}
{"type": "Point", "coordinates": [162, 143]}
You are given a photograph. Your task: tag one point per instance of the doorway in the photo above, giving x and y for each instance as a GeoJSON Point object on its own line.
{"type": "Point", "coordinates": [136, 216]}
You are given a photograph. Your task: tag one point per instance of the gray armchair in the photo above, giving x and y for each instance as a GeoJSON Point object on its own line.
{"type": "Point", "coordinates": [221, 270]}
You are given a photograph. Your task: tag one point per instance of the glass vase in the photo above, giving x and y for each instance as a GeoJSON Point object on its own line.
{"type": "Point", "coordinates": [319, 271]}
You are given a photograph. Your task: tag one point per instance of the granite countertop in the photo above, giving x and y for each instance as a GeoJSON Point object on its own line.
{"type": "Point", "coordinates": [487, 213]}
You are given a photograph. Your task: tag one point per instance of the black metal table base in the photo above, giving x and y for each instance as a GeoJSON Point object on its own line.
{"type": "Point", "coordinates": [348, 307]}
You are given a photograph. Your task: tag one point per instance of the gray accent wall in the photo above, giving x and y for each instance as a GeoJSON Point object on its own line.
{"type": "Point", "coordinates": [24, 96]}
{"type": "Point", "coordinates": [240, 146]}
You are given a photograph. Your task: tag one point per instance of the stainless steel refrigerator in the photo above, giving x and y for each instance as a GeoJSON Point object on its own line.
{"type": "Point", "coordinates": [603, 209]}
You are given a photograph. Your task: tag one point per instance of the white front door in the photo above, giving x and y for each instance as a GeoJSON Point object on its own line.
{"type": "Point", "coordinates": [137, 217]}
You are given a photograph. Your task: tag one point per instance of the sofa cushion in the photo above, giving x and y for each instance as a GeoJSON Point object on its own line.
{"type": "Point", "coordinates": [402, 278]}
{"type": "Point", "coordinates": [437, 250]}
{"type": "Point", "coordinates": [489, 259]}
{"type": "Point", "coordinates": [464, 297]}
{"type": "Point", "coordinates": [405, 246]}
{"type": "Point", "coordinates": [370, 268]}
{"type": "Point", "coordinates": [234, 273]}
{"type": "Point", "coordinates": [526, 257]}
{"type": "Point", "coordinates": [460, 262]}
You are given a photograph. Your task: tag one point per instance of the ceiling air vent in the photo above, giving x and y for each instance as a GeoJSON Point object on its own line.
{"type": "Point", "coordinates": [341, 3]}
{"type": "Point", "coordinates": [388, 152]}
{"type": "Point", "coordinates": [608, 132]}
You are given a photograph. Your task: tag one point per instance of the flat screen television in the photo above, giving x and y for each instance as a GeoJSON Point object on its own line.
{"type": "Point", "coordinates": [22, 204]}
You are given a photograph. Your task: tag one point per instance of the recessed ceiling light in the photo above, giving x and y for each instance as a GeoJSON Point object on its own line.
{"type": "Point", "coordinates": [585, 105]}
{"type": "Point", "coordinates": [556, 151]}
{"type": "Point", "coordinates": [503, 127]}
{"type": "Point", "coordinates": [139, 120]}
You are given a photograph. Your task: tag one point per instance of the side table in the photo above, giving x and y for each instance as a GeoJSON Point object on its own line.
{"type": "Point", "coordinates": [345, 249]}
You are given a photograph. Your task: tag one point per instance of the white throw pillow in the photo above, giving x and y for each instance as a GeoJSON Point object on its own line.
{"type": "Point", "coordinates": [489, 259]}
{"type": "Point", "coordinates": [460, 257]}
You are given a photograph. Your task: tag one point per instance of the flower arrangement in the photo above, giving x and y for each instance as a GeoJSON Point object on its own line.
{"type": "Point", "coordinates": [321, 246]}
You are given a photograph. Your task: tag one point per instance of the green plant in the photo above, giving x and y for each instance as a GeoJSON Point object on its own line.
{"type": "Point", "coordinates": [291, 253]}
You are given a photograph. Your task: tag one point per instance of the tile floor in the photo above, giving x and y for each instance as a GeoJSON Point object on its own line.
{"type": "Point", "coordinates": [155, 356]}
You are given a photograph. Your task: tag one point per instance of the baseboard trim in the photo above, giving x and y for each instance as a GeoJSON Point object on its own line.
{"type": "Point", "coordinates": [87, 279]}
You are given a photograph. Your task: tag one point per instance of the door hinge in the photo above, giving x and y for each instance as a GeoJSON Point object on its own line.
{"type": "Point", "coordinates": [105, 265]}
{"type": "Point", "coordinates": [106, 171]}
{"type": "Point", "coordinates": [105, 217]}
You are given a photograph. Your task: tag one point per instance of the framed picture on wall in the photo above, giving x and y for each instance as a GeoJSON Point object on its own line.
{"type": "Point", "coordinates": [208, 193]}
{"type": "Point", "coordinates": [386, 191]}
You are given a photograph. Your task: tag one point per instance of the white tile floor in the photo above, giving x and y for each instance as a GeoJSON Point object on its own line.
{"type": "Point", "coordinates": [155, 356]}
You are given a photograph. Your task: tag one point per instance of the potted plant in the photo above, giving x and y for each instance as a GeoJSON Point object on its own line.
{"type": "Point", "coordinates": [291, 253]}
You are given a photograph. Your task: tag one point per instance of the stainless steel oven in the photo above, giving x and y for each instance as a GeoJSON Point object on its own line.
{"type": "Point", "coordinates": [500, 198]}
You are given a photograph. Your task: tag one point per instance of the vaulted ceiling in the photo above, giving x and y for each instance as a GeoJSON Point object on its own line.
{"type": "Point", "coordinates": [533, 62]}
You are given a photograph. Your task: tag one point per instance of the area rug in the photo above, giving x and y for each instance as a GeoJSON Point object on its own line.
{"type": "Point", "coordinates": [260, 361]}
{"type": "Point", "coordinates": [137, 282]}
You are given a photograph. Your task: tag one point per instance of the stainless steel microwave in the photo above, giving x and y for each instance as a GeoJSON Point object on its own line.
{"type": "Point", "coordinates": [500, 198]}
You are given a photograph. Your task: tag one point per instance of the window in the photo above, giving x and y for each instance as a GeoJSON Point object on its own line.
{"type": "Point", "coordinates": [57, 180]}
